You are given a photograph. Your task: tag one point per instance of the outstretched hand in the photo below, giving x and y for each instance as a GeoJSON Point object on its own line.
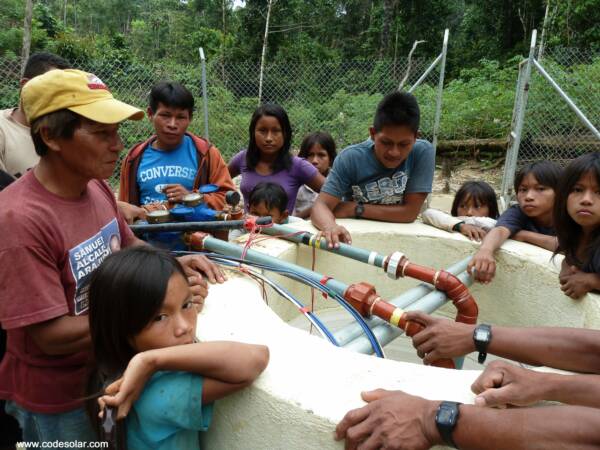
{"type": "Point", "coordinates": [391, 420]}
{"type": "Point", "coordinates": [441, 338]}
{"type": "Point", "coordinates": [482, 266]}
{"type": "Point", "coordinates": [473, 232]}
{"type": "Point", "coordinates": [502, 384]}
{"type": "Point", "coordinates": [334, 235]}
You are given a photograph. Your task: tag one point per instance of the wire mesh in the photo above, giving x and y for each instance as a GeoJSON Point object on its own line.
{"type": "Point", "coordinates": [551, 129]}
{"type": "Point", "coordinates": [338, 97]}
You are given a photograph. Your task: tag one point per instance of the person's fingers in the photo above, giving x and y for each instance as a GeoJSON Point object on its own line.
{"type": "Point", "coordinates": [101, 406]}
{"type": "Point", "coordinates": [335, 239]}
{"type": "Point", "coordinates": [496, 397]}
{"type": "Point", "coordinates": [350, 419]}
{"type": "Point", "coordinates": [358, 433]}
{"type": "Point", "coordinates": [491, 377]}
{"type": "Point", "coordinates": [470, 267]}
{"type": "Point", "coordinates": [430, 357]}
{"type": "Point", "coordinates": [370, 396]}
{"type": "Point", "coordinates": [113, 388]}
{"type": "Point", "coordinates": [374, 441]}
{"type": "Point", "coordinates": [426, 347]}
{"type": "Point", "coordinates": [574, 269]}
{"type": "Point", "coordinates": [199, 289]}
{"type": "Point", "coordinates": [123, 409]}
{"type": "Point", "coordinates": [210, 269]}
{"type": "Point", "coordinates": [347, 237]}
{"type": "Point", "coordinates": [420, 317]}
{"type": "Point", "coordinates": [197, 280]}
{"type": "Point", "coordinates": [421, 338]}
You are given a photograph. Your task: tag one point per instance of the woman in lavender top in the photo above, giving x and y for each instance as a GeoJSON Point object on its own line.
{"type": "Point", "coordinates": [268, 156]}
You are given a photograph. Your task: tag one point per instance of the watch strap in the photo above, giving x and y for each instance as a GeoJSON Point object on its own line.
{"type": "Point", "coordinates": [446, 419]}
{"type": "Point", "coordinates": [457, 226]}
{"type": "Point", "coordinates": [359, 210]}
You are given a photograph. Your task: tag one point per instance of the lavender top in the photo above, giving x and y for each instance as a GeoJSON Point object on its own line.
{"type": "Point", "coordinates": [290, 180]}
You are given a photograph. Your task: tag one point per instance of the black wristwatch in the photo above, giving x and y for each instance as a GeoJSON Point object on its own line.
{"type": "Point", "coordinates": [359, 210]}
{"type": "Point", "coordinates": [445, 421]}
{"type": "Point", "coordinates": [482, 337]}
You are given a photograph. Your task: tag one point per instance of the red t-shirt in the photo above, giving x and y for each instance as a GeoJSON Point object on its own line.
{"type": "Point", "coordinates": [49, 246]}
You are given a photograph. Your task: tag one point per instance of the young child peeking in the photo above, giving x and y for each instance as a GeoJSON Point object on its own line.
{"type": "Point", "coordinates": [474, 211]}
{"type": "Point", "coordinates": [577, 222]}
{"type": "Point", "coordinates": [318, 149]}
{"type": "Point", "coordinates": [269, 199]}
{"type": "Point", "coordinates": [148, 362]}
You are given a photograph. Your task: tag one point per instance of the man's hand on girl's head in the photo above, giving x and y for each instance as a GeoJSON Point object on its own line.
{"type": "Point", "coordinates": [199, 288]}
{"type": "Point", "coordinates": [199, 265]}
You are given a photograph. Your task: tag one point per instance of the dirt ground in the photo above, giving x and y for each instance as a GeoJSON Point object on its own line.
{"type": "Point", "coordinates": [470, 170]}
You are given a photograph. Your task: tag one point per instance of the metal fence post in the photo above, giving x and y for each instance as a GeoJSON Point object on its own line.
{"type": "Point", "coordinates": [438, 101]}
{"type": "Point", "coordinates": [521, 104]}
{"type": "Point", "coordinates": [204, 92]}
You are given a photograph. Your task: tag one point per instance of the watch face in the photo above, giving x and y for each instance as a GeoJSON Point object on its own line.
{"type": "Point", "coordinates": [481, 335]}
{"type": "Point", "coordinates": [445, 415]}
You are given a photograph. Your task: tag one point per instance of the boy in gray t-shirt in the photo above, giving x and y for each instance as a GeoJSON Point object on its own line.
{"type": "Point", "coordinates": [385, 178]}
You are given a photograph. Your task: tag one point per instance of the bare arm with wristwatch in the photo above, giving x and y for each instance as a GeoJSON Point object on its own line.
{"type": "Point", "coordinates": [396, 420]}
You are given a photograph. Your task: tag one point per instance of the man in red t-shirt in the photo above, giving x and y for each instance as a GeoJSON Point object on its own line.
{"type": "Point", "coordinates": [59, 221]}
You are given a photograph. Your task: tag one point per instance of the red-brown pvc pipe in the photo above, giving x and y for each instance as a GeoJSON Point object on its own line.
{"type": "Point", "coordinates": [364, 299]}
{"type": "Point", "coordinates": [456, 291]}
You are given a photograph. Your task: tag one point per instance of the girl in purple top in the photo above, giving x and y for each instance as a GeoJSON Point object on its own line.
{"type": "Point", "coordinates": [268, 157]}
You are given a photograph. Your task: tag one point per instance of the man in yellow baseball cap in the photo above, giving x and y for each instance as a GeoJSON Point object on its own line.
{"type": "Point", "coordinates": [56, 226]}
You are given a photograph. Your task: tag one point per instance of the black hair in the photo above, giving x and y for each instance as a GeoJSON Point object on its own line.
{"type": "Point", "coordinates": [272, 194]}
{"type": "Point", "coordinates": [322, 138]}
{"type": "Point", "coordinates": [481, 193]}
{"type": "Point", "coordinates": [284, 158]}
{"type": "Point", "coordinates": [568, 231]}
{"type": "Point", "coordinates": [42, 62]}
{"type": "Point", "coordinates": [59, 124]}
{"type": "Point", "coordinates": [397, 109]}
{"type": "Point", "coordinates": [126, 292]}
{"type": "Point", "coordinates": [546, 173]}
{"type": "Point", "coordinates": [172, 95]}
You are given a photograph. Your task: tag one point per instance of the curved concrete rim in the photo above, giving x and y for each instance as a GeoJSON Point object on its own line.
{"type": "Point", "coordinates": [309, 384]}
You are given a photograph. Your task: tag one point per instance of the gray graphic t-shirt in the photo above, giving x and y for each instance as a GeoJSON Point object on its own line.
{"type": "Point", "coordinates": [357, 175]}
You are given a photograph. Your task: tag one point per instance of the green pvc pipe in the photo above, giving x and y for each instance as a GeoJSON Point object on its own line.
{"type": "Point", "coordinates": [225, 248]}
{"type": "Point", "coordinates": [304, 237]}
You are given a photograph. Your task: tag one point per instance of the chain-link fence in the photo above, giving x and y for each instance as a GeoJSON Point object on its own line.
{"type": "Point", "coordinates": [551, 129]}
{"type": "Point", "coordinates": [556, 114]}
{"type": "Point", "coordinates": [338, 97]}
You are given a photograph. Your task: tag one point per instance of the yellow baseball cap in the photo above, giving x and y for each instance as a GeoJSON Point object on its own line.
{"type": "Point", "coordinates": [81, 92]}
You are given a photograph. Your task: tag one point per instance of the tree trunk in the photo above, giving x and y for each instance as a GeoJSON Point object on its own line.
{"type": "Point", "coordinates": [264, 52]}
{"type": "Point", "coordinates": [388, 9]}
{"type": "Point", "coordinates": [26, 34]}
